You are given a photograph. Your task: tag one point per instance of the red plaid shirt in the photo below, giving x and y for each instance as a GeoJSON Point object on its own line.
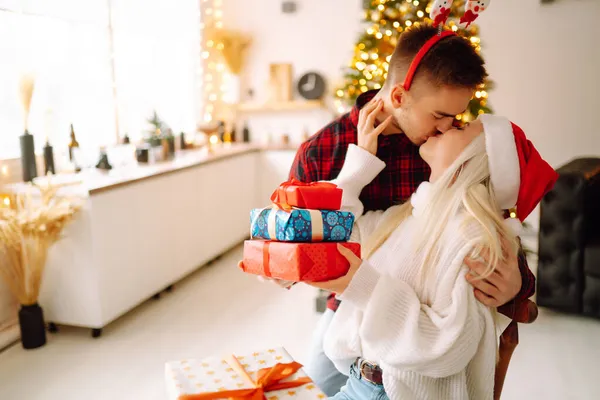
{"type": "Point", "coordinates": [322, 156]}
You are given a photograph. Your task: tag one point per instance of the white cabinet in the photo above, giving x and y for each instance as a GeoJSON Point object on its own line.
{"type": "Point", "coordinates": [274, 168]}
{"type": "Point", "coordinates": [131, 242]}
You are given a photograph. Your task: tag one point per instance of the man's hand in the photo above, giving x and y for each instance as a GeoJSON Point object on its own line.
{"type": "Point", "coordinates": [502, 285]}
{"type": "Point", "coordinates": [339, 285]}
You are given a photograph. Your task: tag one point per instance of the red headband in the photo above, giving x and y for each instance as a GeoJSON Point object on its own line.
{"type": "Point", "coordinates": [417, 60]}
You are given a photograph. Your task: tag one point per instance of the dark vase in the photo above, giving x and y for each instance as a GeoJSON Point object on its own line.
{"type": "Point", "coordinates": [49, 159]}
{"type": "Point", "coordinates": [33, 331]}
{"type": "Point", "coordinates": [246, 134]}
{"type": "Point", "coordinates": [28, 162]}
{"type": "Point", "coordinates": [171, 141]}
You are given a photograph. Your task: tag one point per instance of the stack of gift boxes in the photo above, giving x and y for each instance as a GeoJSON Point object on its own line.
{"type": "Point", "coordinates": [295, 239]}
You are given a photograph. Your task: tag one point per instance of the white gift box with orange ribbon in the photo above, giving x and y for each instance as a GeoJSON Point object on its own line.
{"type": "Point", "coordinates": [270, 374]}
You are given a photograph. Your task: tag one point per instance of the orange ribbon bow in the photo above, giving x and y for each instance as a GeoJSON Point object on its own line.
{"type": "Point", "coordinates": [281, 196]}
{"type": "Point", "coordinates": [268, 379]}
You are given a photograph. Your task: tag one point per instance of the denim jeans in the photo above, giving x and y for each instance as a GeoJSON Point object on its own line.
{"type": "Point", "coordinates": [320, 368]}
{"type": "Point", "coordinates": [358, 388]}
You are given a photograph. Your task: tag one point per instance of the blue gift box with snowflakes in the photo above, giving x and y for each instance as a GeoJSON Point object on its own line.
{"type": "Point", "coordinates": [299, 225]}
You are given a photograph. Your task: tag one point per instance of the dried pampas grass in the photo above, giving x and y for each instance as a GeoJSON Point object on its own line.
{"type": "Point", "coordinates": [26, 86]}
{"type": "Point", "coordinates": [27, 232]}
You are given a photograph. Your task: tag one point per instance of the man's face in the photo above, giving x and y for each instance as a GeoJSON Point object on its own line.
{"type": "Point", "coordinates": [428, 111]}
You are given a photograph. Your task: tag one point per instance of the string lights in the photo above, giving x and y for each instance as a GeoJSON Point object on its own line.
{"type": "Point", "coordinates": [211, 70]}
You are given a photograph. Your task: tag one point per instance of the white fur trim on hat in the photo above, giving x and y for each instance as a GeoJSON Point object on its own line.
{"type": "Point", "coordinates": [505, 170]}
{"type": "Point", "coordinates": [514, 225]}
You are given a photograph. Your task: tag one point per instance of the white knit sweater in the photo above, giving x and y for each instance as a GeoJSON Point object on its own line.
{"type": "Point", "coordinates": [444, 350]}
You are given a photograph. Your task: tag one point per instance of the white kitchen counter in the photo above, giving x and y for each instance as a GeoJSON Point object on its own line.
{"type": "Point", "coordinates": [143, 228]}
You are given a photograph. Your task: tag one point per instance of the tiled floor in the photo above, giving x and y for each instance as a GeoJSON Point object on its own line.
{"type": "Point", "coordinates": [219, 310]}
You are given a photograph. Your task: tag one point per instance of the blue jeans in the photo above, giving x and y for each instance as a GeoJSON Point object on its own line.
{"type": "Point", "coordinates": [358, 388]}
{"type": "Point", "coordinates": [320, 368]}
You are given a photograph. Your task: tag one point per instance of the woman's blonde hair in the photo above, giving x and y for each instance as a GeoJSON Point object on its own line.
{"type": "Point", "coordinates": [464, 186]}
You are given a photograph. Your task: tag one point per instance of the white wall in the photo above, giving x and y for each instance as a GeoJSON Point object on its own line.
{"type": "Point", "coordinates": [320, 36]}
{"type": "Point", "coordinates": [545, 60]}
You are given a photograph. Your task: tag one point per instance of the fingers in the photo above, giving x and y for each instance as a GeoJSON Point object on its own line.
{"type": "Point", "coordinates": [279, 282]}
{"type": "Point", "coordinates": [352, 258]}
{"type": "Point", "coordinates": [482, 255]}
{"type": "Point", "coordinates": [344, 250]}
{"type": "Point", "coordinates": [480, 267]}
{"type": "Point", "coordinates": [370, 121]}
{"type": "Point", "coordinates": [383, 125]}
{"type": "Point", "coordinates": [483, 285]}
{"type": "Point", "coordinates": [370, 106]}
{"type": "Point", "coordinates": [479, 262]}
{"type": "Point", "coordinates": [368, 110]}
{"type": "Point", "coordinates": [284, 284]}
{"type": "Point", "coordinates": [485, 299]}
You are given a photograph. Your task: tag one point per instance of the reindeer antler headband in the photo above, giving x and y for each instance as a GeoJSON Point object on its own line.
{"type": "Point", "coordinates": [440, 10]}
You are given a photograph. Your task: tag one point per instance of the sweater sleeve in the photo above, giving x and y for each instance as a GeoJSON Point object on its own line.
{"type": "Point", "coordinates": [405, 334]}
{"type": "Point", "coordinates": [360, 168]}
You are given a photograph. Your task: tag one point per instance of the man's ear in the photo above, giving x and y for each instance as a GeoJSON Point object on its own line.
{"type": "Point", "coordinates": [397, 95]}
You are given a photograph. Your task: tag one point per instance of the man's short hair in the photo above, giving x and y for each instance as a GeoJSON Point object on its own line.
{"type": "Point", "coordinates": [453, 61]}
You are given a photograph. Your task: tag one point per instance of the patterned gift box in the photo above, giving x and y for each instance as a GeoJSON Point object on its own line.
{"type": "Point", "coordinates": [301, 225]}
{"type": "Point", "coordinates": [271, 374]}
{"type": "Point", "coordinates": [296, 262]}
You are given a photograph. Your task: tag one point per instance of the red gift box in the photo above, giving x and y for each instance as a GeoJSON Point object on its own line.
{"type": "Point", "coordinates": [314, 195]}
{"type": "Point", "coordinates": [297, 262]}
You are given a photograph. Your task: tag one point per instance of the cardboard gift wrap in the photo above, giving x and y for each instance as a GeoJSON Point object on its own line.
{"type": "Point", "coordinates": [297, 262]}
{"type": "Point", "coordinates": [271, 374]}
{"type": "Point", "coordinates": [314, 195]}
{"type": "Point", "coordinates": [298, 225]}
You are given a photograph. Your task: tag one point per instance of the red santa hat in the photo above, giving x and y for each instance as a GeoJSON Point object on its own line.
{"type": "Point", "coordinates": [520, 177]}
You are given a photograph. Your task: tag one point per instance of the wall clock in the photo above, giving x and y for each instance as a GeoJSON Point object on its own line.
{"type": "Point", "coordinates": [311, 86]}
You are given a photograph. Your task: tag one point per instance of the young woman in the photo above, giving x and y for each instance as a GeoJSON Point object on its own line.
{"type": "Point", "coordinates": [409, 326]}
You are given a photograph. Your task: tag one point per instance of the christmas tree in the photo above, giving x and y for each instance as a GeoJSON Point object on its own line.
{"type": "Point", "coordinates": [385, 21]}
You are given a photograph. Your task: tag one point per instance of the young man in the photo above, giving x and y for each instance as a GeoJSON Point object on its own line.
{"type": "Point", "coordinates": [441, 88]}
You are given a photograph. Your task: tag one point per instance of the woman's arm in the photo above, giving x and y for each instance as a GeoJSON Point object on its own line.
{"type": "Point", "coordinates": [405, 334]}
{"type": "Point", "coordinates": [360, 168]}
